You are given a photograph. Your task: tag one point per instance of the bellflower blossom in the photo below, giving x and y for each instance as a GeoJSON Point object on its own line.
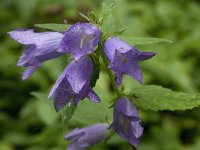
{"type": "Point", "coordinates": [126, 122]}
{"type": "Point", "coordinates": [80, 39]}
{"type": "Point", "coordinates": [40, 47]}
{"type": "Point", "coordinates": [124, 58]}
{"type": "Point", "coordinates": [73, 83]}
{"type": "Point", "coordinates": [86, 137]}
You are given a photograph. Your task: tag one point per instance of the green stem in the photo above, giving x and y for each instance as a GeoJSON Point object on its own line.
{"type": "Point", "coordinates": [110, 74]}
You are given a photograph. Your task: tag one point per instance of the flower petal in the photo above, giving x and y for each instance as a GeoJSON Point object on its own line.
{"type": "Point", "coordinates": [28, 72]}
{"type": "Point", "coordinates": [138, 130]}
{"type": "Point", "coordinates": [114, 44]}
{"type": "Point", "coordinates": [124, 58]}
{"type": "Point", "coordinates": [41, 46]}
{"type": "Point", "coordinates": [92, 96]}
{"type": "Point", "coordinates": [81, 95]}
{"type": "Point", "coordinates": [62, 95]}
{"type": "Point", "coordinates": [61, 91]}
{"type": "Point", "coordinates": [126, 121]}
{"type": "Point", "coordinates": [135, 72]}
{"type": "Point", "coordinates": [136, 55]}
{"type": "Point", "coordinates": [80, 39]}
{"type": "Point", "coordinates": [125, 107]}
{"type": "Point", "coordinates": [118, 77]}
{"type": "Point", "coordinates": [57, 84]}
{"type": "Point", "coordinates": [74, 135]}
{"type": "Point", "coordinates": [28, 37]}
{"type": "Point", "coordinates": [85, 137]}
{"type": "Point", "coordinates": [79, 73]}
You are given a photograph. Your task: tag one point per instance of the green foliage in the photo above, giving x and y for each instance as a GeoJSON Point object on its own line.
{"type": "Point", "coordinates": [143, 40]}
{"type": "Point", "coordinates": [26, 7]}
{"type": "Point", "coordinates": [158, 98]}
{"type": "Point", "coordinates": [91, 113]}
{"type": "Point", "coordinates": [54, 26]}
{"type": "Point", "coordinates": [44, 108]}
{"type": "Point", "coordinates": [107, 9]}
{"type": "Point", "coordinates": [175, 66]}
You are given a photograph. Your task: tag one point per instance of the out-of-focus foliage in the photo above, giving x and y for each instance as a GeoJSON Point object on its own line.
{"type": "Point", "coordinates": [28, 121]}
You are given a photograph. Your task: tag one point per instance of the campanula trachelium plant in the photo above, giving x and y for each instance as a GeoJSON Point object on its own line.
{"type": "Point", "coordinates": [92, 50]}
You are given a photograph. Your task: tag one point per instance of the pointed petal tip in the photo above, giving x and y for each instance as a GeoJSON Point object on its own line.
{"type": "Point", "coordinates": [75, 133]}
{"type": "Point", "coordinates": [57, 109]}
{"type": "Point", "coordinates": [96, 101]}
{"type": "Point", "coordinates": [92, 96]}
{"type": "Point", "coordinates": [20, 64]}
{"type": "Point", "coordinates": [49, 96]}
{"type": "Point", "coordinates": [24, 78]}
{"type": "Point", "coordinates": [140, 80]}
{"type": "Point", "coordinates": [28, 72]}
{"type": "Point", "coordinates": [9, 33]}
{"type": "Point", "coordinates": [56, 106]}
{"type": "Point", "coordinates": [153, 54]}
{"type": "Point", "coordinates": [13, 32]}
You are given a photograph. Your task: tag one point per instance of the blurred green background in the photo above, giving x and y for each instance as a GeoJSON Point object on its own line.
{"type": "Point", "coordinates": [28, 121]}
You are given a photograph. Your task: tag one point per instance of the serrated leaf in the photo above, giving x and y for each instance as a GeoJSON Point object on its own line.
{"type": "Point", "coordinates": [54, 26]}
{"type": "Point", "coordinates": [143, 40]}
{"type": "Point", "coordinates": [155, 98]}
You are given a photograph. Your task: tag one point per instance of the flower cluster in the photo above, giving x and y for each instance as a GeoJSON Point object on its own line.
{"type": "Point", "coordinates": [80, 40]}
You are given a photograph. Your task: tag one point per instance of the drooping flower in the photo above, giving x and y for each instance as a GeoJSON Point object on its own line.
{"type": "Point", "coordinates": [40, 47]}
{"type": "Point", "coordinates": [80, 39]}
{"type": "Point", "coordinates": [126, 121]}
{"type": "Point", "coordinates": [73, 83]}
{"type": "Point", "coordinates": [124, 58]}
{"type": "Point", "coordinates": [86, 137]}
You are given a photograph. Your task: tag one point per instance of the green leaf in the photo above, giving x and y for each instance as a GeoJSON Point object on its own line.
{"type": "Point", "coordinates": [40, 96]}
{"type": "Point", "coordinates": [44, 108]}
{"type": "Point", "coordinates": [107, 8]}
{"type": "Point", "coordinates": [143, 40]}
{"type": "Point", "coordinates": [88, 113]}
{"type": "Point", "coordinates": [47, 113]}
{"type": "Point", "coordinates": [158, 98]}
{"type": "Point", "coordinates": [114, 33]}
{"type": "Point", "coordinates": [54, 26]}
